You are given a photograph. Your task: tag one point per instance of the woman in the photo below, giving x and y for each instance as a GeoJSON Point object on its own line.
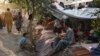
{"type": "Point", "coordinates": [18, 22]}
{"type": "Point", "coordinates": [44, 43]}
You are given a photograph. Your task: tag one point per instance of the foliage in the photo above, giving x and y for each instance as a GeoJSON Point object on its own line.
{"type": "Point", "coordinates": [96, 3]}
{"type": "Point", "coordinates": [96, 23]}
{"type": "Point", "coordinates": [41, 8]}
{"type": "Point", "coordinates": [38, 6]}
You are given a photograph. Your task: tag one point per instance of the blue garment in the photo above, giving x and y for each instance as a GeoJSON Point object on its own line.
{"type": "Point", "coordinates": [59, 44]}
{"type": "Point", "coordinates": [95, 51]}
{"type": "Point", "coordinates": [69, 36]}
{"type": "Point", "coordinates": [22, 41]}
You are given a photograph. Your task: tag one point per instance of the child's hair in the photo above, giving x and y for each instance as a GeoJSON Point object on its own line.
{"type": "Point", "coordinates": [24, 34]}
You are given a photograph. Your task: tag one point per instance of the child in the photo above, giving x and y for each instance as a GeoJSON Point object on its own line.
{"type": "Point", "coordinates": [23, 41]}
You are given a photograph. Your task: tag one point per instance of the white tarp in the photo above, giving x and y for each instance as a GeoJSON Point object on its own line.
{"type": "Point", "coordinates": [69, 2]}
{"type": "Point", "coordinates": [81, 1]}
{"type": "Point", "coordinates": [84, 13]}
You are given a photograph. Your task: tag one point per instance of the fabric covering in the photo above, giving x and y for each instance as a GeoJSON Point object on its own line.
{"type": "Point", "coordinates": [84, 13]}
{"type": "Point", "coordinates": [44, 43]}
{"type": "Point", "coordinates": [95, 51]}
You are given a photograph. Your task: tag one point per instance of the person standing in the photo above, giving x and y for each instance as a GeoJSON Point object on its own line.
{"type": "Point", "coordinates": [18, 22]}
{"type": "Point", "coordinates": [1, 22]}
{"type": "Point", "coordinates": [8, 19]}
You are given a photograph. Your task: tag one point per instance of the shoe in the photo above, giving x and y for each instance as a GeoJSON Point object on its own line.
{"type": "Point", "coordinates": [9, 31]}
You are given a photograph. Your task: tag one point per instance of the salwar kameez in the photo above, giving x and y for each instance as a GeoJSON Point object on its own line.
{"type": "Point", "coordinates": [8, 19]}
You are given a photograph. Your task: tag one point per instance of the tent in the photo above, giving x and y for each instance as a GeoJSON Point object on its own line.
{"type": "Point", "coordinates": [84, 13]}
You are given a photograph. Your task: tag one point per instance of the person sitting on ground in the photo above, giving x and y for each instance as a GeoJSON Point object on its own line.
{"type": "Point", "coordinates": [80, 35]}
{"type": "Point", "coordinates": [57, 26]}
{"type": "Point", "coordinates": [38, 30]}
{"type": "Point", "coordinates": [44, 42]}
{"type": "Point", "coordinates": [64, 41]}
{"type": "Point", "coordinates": [94, 36]}
{"type": "Point", "coordinates": [59, 38]}
{"type": "Point", "coordinates": [24, 41]}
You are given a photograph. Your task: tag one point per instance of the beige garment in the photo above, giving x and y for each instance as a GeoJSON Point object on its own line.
{"type": "Point", "coordinates": [44, 43]}
{"type": "Point", "coordinates": [8, 19]}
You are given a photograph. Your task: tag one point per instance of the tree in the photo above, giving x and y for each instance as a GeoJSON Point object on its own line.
{"type": "Point", "coordinates": [96, 22]}
{"type": "Point", "coordinates": [38, 6]}
{"type": "Point", "coordinates": [96, 3]}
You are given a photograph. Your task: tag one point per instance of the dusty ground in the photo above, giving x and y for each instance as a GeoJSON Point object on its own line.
{"type": "Point", "coordinates": [9, 44]}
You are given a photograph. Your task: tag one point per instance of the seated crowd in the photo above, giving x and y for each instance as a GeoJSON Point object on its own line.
{"type": "Point", "coordinates": [54, 36]}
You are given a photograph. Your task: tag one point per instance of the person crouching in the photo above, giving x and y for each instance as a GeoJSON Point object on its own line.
{"type": "Point", "coordinates": [24, 42]}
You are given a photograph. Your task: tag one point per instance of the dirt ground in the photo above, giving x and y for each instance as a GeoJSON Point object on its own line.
{"type": "Point", "coordinates": [9, 44]}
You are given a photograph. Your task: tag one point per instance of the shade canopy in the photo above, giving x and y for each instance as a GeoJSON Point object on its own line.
{"type": "Point", "coordinates": [84, 13]}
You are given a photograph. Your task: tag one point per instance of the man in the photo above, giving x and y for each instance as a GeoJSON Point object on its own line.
{"type": "Point", "coordinates": [69, 34]}
{"type": "Point", "coordinates": [66, 39]}
{"type": "Point", "coordinates": [44, 42]}
{"type": "Point", "coordinates": [8, 19]}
